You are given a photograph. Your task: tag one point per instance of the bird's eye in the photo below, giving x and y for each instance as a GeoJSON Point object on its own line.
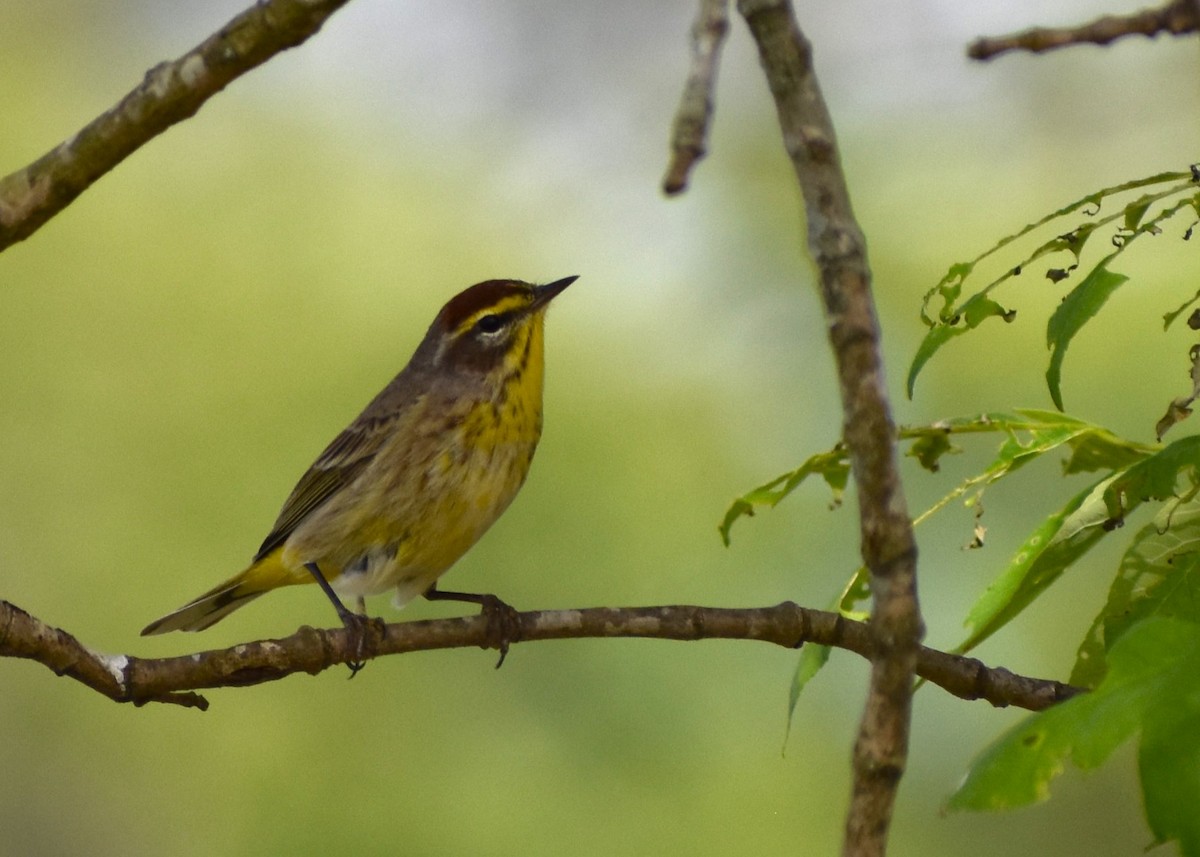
{"type": "Point", "coordinates": [490, 324]}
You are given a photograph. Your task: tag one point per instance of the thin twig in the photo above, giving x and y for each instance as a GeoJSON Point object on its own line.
{"type": "Point", "coordinates": [689, 132]}
{"type": "Point", "coordinates": [125, 678]}
{"type": "Point", "coordinates": [889, 551]}
{"type": "Point", "coordinates": [170, 93]}
{"type": "Point", "coordinates": [1177, 17]}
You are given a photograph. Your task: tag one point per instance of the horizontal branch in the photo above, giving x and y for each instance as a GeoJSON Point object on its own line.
{"type": "Point", "coordinates": [170, 93]}
{"type": "Point", "coordinates": [125, 678]}
{"type": "Point", "coordinates": [1177, 17]}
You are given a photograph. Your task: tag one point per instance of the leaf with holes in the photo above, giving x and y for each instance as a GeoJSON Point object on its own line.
{"type": "Point", "coordinates": [832, 466]}
{"type": "Point", "coordinates": [1058, 542]}
{"type": "Point", "coordinates": [1159, 576]}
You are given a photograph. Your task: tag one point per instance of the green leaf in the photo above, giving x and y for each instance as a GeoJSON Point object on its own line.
{"type": "Point", "coordinates": [1128, 221]}
{"type": "Point", "coordinates": [1080, 305]}
{"type": "Point", "coordinates": [1068, 534]}
{"type": "Point", "coordinates": [854, 595]}
{"type": "Point", "coordinates": [814, 657]}
{"type": "Point", "coordinates": [1159, 576]}
{"type": "Point", "coordinates": [1169, 769]}
{"type": "Point", "coordinates": [973, 313]}
{"type": "Point", "coordinates": [1033, 434]}
{"type": "Point", "coordinates": [934, 339]}
{"type": "Point", "coordinates": [1100, 449]}
{"type": "Point", "coordinates": [1057, 542]}
{"type": "Point", "coordinates": [1153, 684]}
{"type": "Point", "coordinates": [1073, 241]}
{"type": "Point", "coordinates": [1155, 477]}
{"type": "Point", "coordinates": [1030, 434]}
{"type": "Point", "coordinates": [951, 284]}
{"type": "Point", "coordinates": [1135, 211]}
{"type": "Point", "coordinates": [832, 466]}
{"type": "Point", "coordinates": [979, 308]}
{"type": "Point", "coordinates": [949, 288]}
{"type": "Point", "coordinates": [929, 448]}
{"type": "Point", "coordinates": [1169, 318]}
{"type": "Point", "coordinates": [1180, 407]}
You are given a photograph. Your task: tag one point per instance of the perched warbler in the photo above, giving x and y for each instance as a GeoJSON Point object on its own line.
{"type": "Point", "coordinates": [419, 475]}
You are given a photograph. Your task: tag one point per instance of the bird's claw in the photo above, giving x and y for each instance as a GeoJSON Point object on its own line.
{"type": "Point", "coordinates": [503, 625]}
{"type": "Point", "coordinates": [360, 639]}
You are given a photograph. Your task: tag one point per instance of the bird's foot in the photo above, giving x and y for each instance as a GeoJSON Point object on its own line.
{"type": "Point", "coordinates": [360, 640]}
{"type": "Point", "coordinates": [503, 625]}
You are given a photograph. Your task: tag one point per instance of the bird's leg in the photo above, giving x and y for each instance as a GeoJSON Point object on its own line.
{"type": "Point", "coordinates": [503, 622]}
{"type": "Point", "coordinates": [354, 623]}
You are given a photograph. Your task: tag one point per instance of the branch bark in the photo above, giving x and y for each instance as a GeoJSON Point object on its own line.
{"type": "Point", "coordinates": [125, 678]}
{"type": "Point", "coordinates": [170, 93]}
{"type": "Point", "coordinates": [889, 551]}
{"type": "Point", "coordinates": [689, 132]}
{"type": "Point", "coordinates": [1177, 17]}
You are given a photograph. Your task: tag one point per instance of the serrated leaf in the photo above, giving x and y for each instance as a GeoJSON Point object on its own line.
{"type": "Point", "coordinates": [1155, 669]}
{"type": "Point", "coordinates": [1159, 576]}
{"type": "Point", "coordinates": [1080, 305]}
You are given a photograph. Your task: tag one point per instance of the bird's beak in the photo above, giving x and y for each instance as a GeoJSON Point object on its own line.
{"type": "Point", "coordinates": [542, 295]}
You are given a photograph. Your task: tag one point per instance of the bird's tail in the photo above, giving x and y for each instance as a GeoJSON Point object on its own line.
{"type": "Point", "coordinates": [213, 606]}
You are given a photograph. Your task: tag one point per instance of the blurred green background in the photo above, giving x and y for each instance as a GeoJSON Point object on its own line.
{"type": "Point", "coordinates": [178, 345]}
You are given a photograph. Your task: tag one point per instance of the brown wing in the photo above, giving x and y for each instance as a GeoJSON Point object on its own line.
{"type": "Point", "coordinates": [338, 466]}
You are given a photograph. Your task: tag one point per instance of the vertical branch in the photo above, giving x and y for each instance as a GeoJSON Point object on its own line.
{"type": "Point", "coordinates": [888, 548]}
{"type": "Point", "coordinates": [689, 133]}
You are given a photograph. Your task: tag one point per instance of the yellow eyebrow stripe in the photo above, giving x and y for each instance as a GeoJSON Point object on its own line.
{"type": "Point", "coordinates": [511, 303]}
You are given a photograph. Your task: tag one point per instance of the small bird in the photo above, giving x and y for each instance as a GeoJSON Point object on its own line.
{"type": "Point", "coordinates": [415, 480]}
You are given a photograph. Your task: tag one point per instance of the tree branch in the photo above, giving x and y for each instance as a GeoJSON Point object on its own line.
{"type": "Point", "coordinates": [689, 132]}
{"type": "Point", "coordinates": [170, 93]}
{"type": "Point", "coordinates": [125, 678]}
{"type": "Point", "coordinates": [1177, 17]}
{"type": "Point", "coordinates": [889, 550]}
